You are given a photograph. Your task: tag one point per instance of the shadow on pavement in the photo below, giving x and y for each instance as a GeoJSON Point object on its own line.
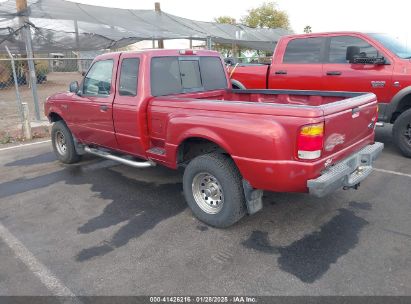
{"type": "Point", "coordinates": [35, 160]}
{"type": "Point", "coordinates": [139, 205]}
{"type": "Point", "coordinates": [310, 258]}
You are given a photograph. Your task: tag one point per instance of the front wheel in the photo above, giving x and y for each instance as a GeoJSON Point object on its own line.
{"type": "Point", "coordinates": [63, 143]}
{"type": "Point", "coordinates": [213, 190]}
{"type": "Point", "coordinates": [402, 133]}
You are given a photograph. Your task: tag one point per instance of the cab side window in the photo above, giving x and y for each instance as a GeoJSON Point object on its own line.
{"type": "Point", "coordinates": [304, 50]}
{"type": "Point", "coordinates": [129, 77]}
{"type": "Point", "coordinates": [97, 82]}
{"type": "Point", "coordinates": [339, 44]}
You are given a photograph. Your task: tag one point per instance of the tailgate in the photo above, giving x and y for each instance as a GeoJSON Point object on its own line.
{"type": "Point", "coordinates": [348, 122]}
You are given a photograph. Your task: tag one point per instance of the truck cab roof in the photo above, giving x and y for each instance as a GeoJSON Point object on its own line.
{"type": "Point", "coordinates": [161, 52]}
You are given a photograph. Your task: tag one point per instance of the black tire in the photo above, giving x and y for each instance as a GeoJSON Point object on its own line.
{"type": "Point", "coordinates": [402, 133]}
{"type": "Point", "coordinates": [69, 155]}
{"type": "Point", "coordinates": [229, 181]}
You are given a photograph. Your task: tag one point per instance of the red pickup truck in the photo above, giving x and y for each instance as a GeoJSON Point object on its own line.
{"type": "Point", "coordinates": [177, 109]}
{"type": "Point", "coordinates": [344, 61]}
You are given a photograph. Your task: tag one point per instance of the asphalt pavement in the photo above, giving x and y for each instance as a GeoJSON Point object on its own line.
{"type": "Point", "coordinates": [100, 228]}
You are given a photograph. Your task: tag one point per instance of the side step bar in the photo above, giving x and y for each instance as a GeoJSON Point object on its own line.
{"type": "Point", "coordinates": [128, 162]}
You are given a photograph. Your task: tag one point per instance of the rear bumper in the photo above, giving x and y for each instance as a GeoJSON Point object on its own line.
{"type": "Point", "coordinates": [347, 173]}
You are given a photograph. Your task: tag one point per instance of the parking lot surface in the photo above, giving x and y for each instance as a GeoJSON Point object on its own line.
{"type": "Point", "coordinates": [100, 228]}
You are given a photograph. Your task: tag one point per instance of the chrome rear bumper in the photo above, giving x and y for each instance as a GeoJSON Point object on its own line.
{"type": "Point", "coordinates": [348, 173]}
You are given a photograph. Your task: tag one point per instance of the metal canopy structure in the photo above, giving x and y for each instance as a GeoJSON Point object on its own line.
{"type": "Point", "coordinates": [58, 25]}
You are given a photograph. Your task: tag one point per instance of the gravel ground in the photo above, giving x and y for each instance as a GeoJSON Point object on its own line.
{"type": "Point", "coordinates": [56, 82]}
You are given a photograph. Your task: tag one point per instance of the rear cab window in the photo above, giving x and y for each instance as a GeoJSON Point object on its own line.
{"type": "Point", "coordinates": [176, 75]}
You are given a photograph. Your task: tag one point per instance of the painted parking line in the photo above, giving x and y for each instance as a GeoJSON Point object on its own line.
{"type": "Point", "coordinates": [392, 172]}
{"type": "Point", "coordinates": [26, 145]}
{"type": "Point", "coordinates": [52, 283]}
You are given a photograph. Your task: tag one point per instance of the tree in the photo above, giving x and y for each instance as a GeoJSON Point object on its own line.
{"type": "Point", "coordinates": [307, 29]}
{"type": "Point", "coordinates": [266, 16]}
{"type": "Point", "coordinates": [225, 19]}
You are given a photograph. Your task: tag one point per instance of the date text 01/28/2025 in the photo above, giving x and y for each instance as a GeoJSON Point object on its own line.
{"type": "Point", "coordinates": [203, 299]}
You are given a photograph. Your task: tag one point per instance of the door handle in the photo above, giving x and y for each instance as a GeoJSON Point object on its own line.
{"type": "Point", "coordinates": [334, 73]}
{"type": "Point", "coordinates": [103, 108]}
{"type": "Point", "coordinates": [281, 72]}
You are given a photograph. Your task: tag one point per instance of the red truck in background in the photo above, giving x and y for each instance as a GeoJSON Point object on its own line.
{"type": "Point", "coordinates": [344, 61]}
{"type": "Point", "coordinates": [177, 109]}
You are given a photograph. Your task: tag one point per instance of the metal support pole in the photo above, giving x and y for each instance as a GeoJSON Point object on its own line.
{"type": "Point", "coordinates": [191, 43]}
{"type": "Point", "coordinates": [33, 78]}
{"type": "Point", "coordinates": [77, 46]}
{"type": "Point", "coordinates": [23, 19]}
{"type": "Point", "coordinates": [157, 8]}
{"type": "Point", "coordinates": [209, 43]}
{"type": "Point", "coordinates": [26, 121]}
{"type": "Point", "coordinates": [16, 85]}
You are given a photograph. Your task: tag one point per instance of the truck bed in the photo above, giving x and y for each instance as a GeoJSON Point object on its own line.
{"type": "Point", "coordinates": [280, 97]}
{"type": "Point", "coordinates": [291, 97]}
{"type": "Point", "coordinates": [263, 126]}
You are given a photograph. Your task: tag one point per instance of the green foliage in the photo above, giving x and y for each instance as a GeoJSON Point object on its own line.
{"type": "Point", "coordinates": [266, 16]}
{"type": "Point", "coordinates": [5, 138]}
{"type": "Point", "coordinates": [41, 67]}
{"type": "Point", "coordinates": [225, 19]}
{"type": "Point", "coordinates": [5, 73]}
{"type": "Point", "coordinates": [308, 29]}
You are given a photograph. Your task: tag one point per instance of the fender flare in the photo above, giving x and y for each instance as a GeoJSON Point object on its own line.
{"type": "Point", "coordinates": [238, 84]}
{"type": "Point", "coordinates": [55, 110]}
{"type": "Point", "coordinates": [213, 137]}
{"type": "Point", "coordinates": [395, 101]}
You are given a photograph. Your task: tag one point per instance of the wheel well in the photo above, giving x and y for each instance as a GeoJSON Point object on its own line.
{"type": "Point", "coordinates": [237, 85]}
{"type": "Point", "coordinates": [53, 117]}
{"type": "Point", "coordinates": [193, 147]}
{"type": "Point", "coordinates": [402, 106]}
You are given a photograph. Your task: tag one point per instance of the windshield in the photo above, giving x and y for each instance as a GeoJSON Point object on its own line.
{"type": "Point", "coordinates": [394, 45]}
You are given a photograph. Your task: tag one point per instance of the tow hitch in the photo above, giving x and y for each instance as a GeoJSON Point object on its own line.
{"type": "Point", "coordinates": [355, 187]}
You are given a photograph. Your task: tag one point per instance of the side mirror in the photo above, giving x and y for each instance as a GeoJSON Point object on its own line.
{"type": "Point", "coordinates": [230, 61]}
{"type": "Point", "coordinates": [370, 60]}
{"type": "Point", "coordinates": [352, 53]}
{"type": "Point", "coordinates": [74, 87]}
{"type": "Point", "coordinates": [355, 56]}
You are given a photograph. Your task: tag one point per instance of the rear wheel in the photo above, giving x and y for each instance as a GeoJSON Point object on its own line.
{"type": "Point", "coordinates": [63, 143]}
{"type": "Point", "coordinates": [402, 133]}
{"type": "Point", "coordinates": [213, 190]}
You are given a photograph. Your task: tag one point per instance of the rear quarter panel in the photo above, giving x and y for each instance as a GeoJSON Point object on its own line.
{"type": "Point", "coordinates": [248, 137]}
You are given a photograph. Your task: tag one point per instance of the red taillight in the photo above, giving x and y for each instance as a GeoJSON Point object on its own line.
{"type": "Point", "coordinates": [188, 52]}
{"type": "Point", "coordinates": [375, 118]}
{"type": "Point", "coordinates": [310, 141]}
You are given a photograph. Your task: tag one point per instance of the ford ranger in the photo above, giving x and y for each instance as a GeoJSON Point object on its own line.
{"type": "Point", "coordinates": [177, 109]}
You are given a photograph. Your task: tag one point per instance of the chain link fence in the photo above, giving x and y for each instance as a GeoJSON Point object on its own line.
{"type": "Point", "coordinates": [53, 74]}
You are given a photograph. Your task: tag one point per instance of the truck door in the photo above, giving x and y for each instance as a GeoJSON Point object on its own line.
{"type": "Point", "coordinates": [340, 75]}
{"type": "Point", "coordinates": [300, 66]}
{"type": "Point", "coordinates": [129, 108]}
{"type": "Point", "coordinates": [91, 110]}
